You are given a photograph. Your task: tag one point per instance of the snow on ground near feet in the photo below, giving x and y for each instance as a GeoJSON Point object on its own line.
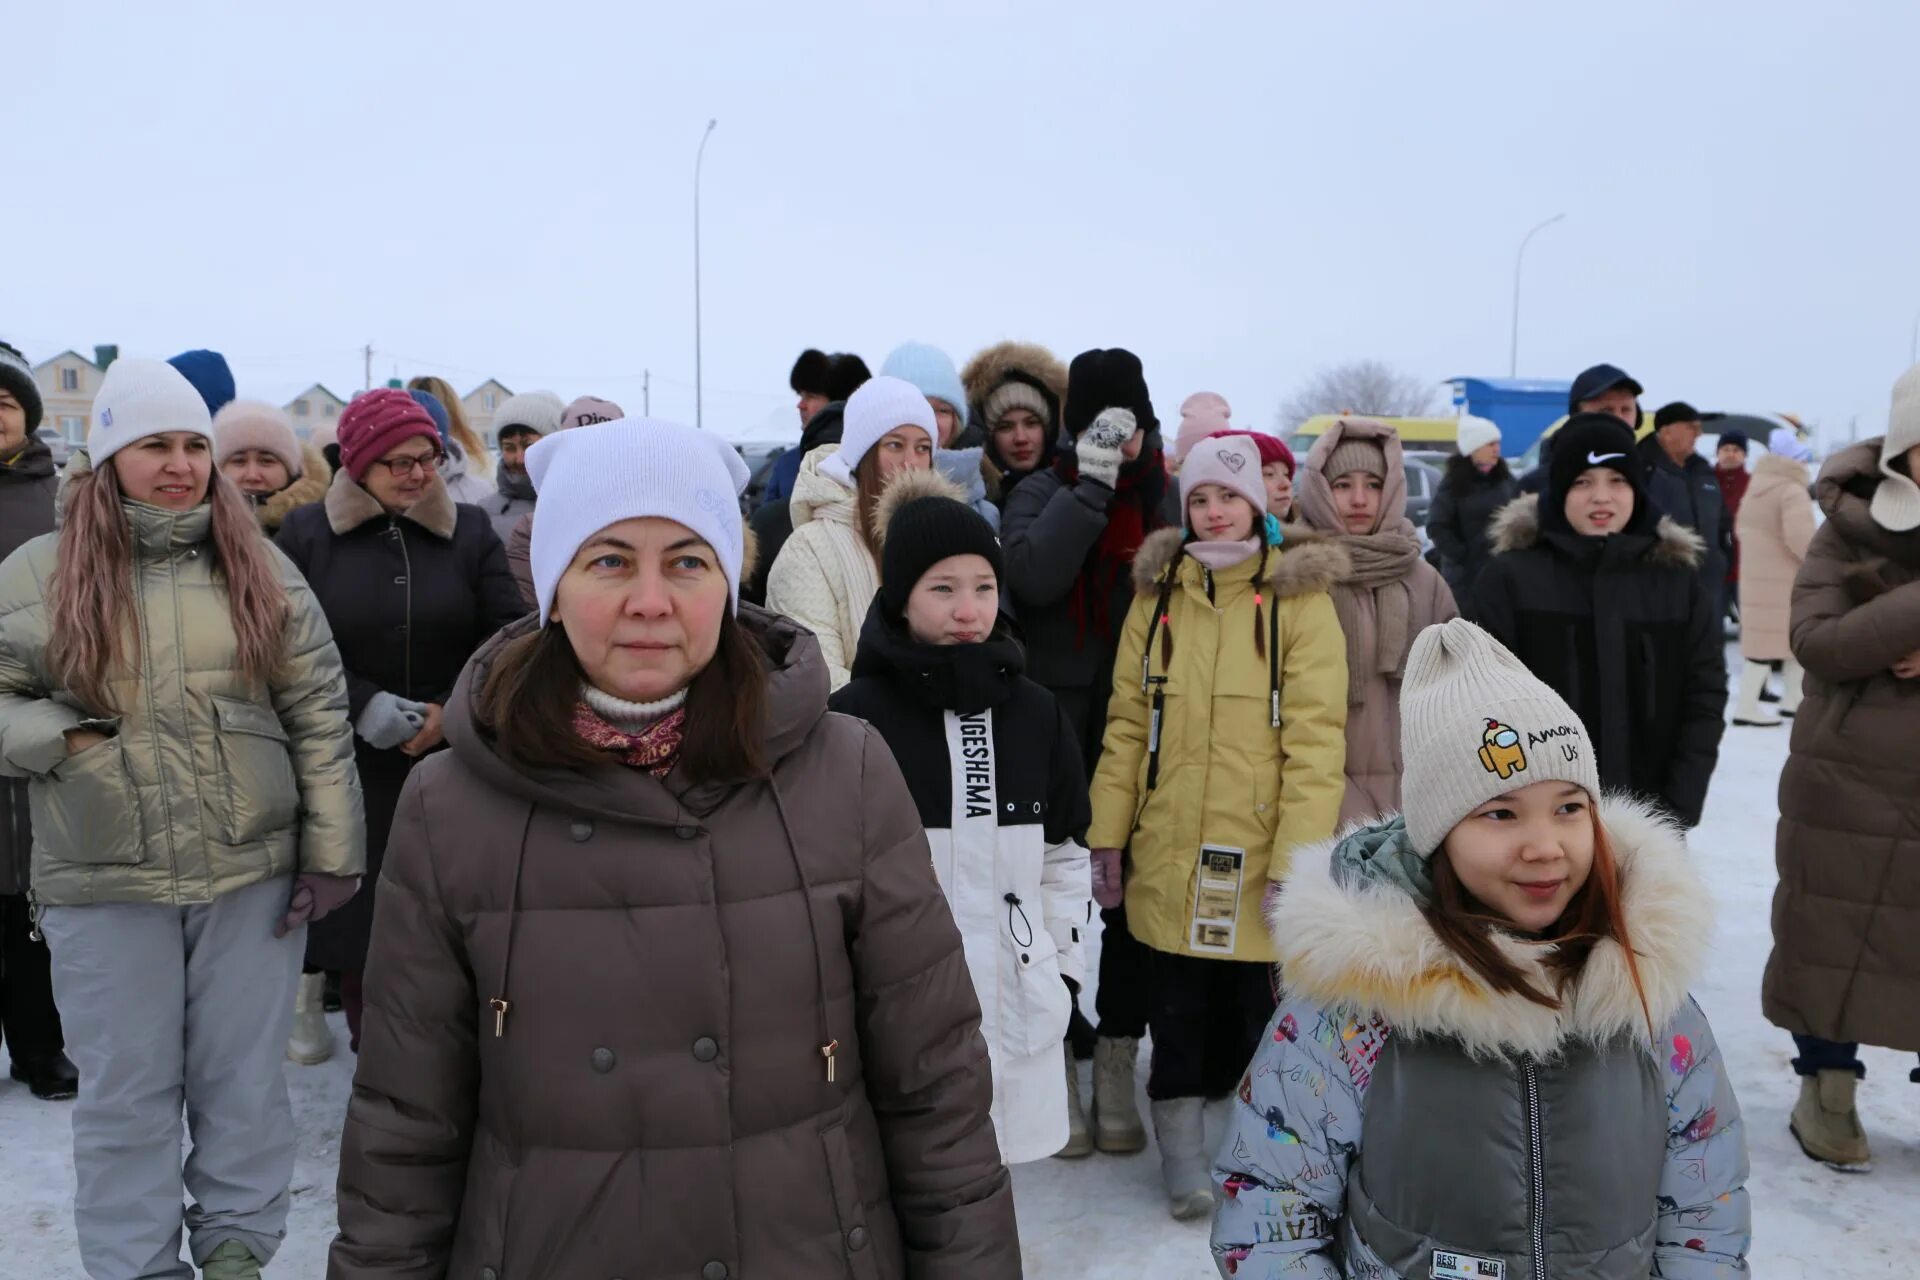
{"type": "Point", "coordinates": [1104, 1218]}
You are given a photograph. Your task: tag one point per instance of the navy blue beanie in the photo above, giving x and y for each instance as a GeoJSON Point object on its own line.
{"type": "Point", "coordinates": [435, 410]}
{"type": "Point", "coordinates": [209, 374]}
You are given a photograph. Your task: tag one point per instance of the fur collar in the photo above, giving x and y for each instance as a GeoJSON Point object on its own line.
{"type": "Point", "coordinates": [349, 506]}
{"type": "Point", "coordinates": [309, 488]}
{"type": "Point", "coordinates": [1516, 527]}
{"type": "Point", "coordinates": [1367, 948]}
{"type": "Point", "coordinates": [1773, 466]}
{"type": "Point", "coordinates": [906, 487]}
{"type": "Point", "coordinates": [1305, 563]}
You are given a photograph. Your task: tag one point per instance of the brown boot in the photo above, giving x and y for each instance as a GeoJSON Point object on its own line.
{"type": "Point", "coordinates": [1827, 1125]}
{"type": "Point", "coordinates": [1079, 1137]}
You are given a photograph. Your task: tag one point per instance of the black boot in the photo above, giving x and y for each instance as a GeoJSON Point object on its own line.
{"type": "Point", "coordinates": [330, 992]}
{"type": "Point", "coordinates": [52, 1079]}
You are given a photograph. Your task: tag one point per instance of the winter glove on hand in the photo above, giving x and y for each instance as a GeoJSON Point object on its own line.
{"type": "Point", "coordinates": [1108, 890]}
{"type": "Point", "coordinates": [387, 721]}
{"type": "Point", "coordinates": [1098, 447]}
{"type": "Point", "coordinates": [315, 896]}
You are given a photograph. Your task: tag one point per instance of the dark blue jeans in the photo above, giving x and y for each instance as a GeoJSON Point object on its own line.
{"type": "Point", "coordinates": [1817, 1055]}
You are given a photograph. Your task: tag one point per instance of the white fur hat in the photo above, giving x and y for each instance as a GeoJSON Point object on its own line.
{"type": "Point", "coordinates": [1896, 503]}
{"type": "Point", "coordinates": [141, 398]}
{"type": "Point", "coordinates": [880, 405]}
{"type": "Point", "coordinates": [628, 469]}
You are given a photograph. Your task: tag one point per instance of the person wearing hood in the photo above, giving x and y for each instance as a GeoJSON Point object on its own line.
{"type": "Point", "coordinates": [29, 1022]}
{"type": "Point", "coordinates": [960, 453]}
{"type": "Point", "coordinates": [462, 484]}
{"type": "Point", "coordinates": [517, 424]}
{"type": "Point", "coordinates": [662, 982]}
{"type": "Point", "coordinates": [209, 375]}
{"type": "Point", "coordinates": [468, 470]}
{"type": "Point", "coordinates": [1476, 485]}
{"type": "Point", "coordinates": [1775, 528]}
{"type": "Point", "coordinates": [1486, 1061]}
{"type": "Point", "coordinates": [1845, 968]}
{"type": "Point", "coordinates": [254, 446]}
{"type": "Point", "coordinates": [1681, 485]}
{"type": "Point", "coordinates": [1223, 750]}
{"type": "Point", "coordinates": [583, 412]}
{"type": "Point", "coordinates": [169, 689]}
{"type": "Point", "coordinates": [1014, 392]}
{"type": "Point", "coordinates": [1600, 596]}
{"type": "Point", "coordinates": [824, 414]}
{"type": "Point", "coordinates": [1604, 388]}
{"type": "Point", "coordinates": [1353, 490]}
{"type": "Point", "coordinates": [412, 584]}
{"type": "Point", "coordinates": [996, 775]}
{"type": "Point", "coordinates": [827, 573]}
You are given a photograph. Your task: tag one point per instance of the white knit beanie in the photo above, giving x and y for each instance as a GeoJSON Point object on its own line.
{"type": "Point", "coordinates": [1475, 724]}
{"type": "Point", "coordinates": [141, 398]}
{"type": "Point", "coordinates": [1896, 503]}
{"type": "Point", "coordinates": [628, 469]}
{"type": "Point", "coordinates": [1476, 433]}
{"type": "Point", "coordinates": [536, 411]}
{"type": "Point", "coordinates": [880, 405]}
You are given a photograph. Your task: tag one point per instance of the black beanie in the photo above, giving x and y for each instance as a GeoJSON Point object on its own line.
{"type": "Point", "coordinates": [1591, 440]}
{"type": "Point", "coordinates": [921, 534]}
{"type": "Point", "coordinates": [1109, 379]}
{"type": "Point", "coordinates": [834, 376]}
{"type": "Point", "coordinates": [16, 375]}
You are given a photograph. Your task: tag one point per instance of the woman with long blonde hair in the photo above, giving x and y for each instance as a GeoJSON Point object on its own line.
{"type": "Point", "coordinates": [462, 439]}
{"type": "Point", "coordinates": [170, 689]}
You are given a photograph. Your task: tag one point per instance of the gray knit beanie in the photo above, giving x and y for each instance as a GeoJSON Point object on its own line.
{"type": "Point", "coordinates": [1475, 724]}
{"type": "Point", "coordinates": [1356, 455]}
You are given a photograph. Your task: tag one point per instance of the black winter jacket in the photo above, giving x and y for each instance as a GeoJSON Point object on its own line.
{"type": "Point", "coordinates": [1458, 519]}
{"type": "Point", "coordinates": [1689, 495]}
{"type": "Point", "coordinates": [772, 520]}
{"type": "Point", "coordinates": [1626, 631]}
{"type": "Point", "coordinates": [26, 511]}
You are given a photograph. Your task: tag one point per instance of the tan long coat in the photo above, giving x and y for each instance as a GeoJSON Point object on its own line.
{"type": "Point", "coordinates": [1775, 526]}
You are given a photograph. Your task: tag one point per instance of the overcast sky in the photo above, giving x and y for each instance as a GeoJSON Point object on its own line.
{"type": "Point", "coordinates": [1239, 193]}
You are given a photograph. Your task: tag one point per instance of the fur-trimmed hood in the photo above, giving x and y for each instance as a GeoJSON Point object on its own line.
{"type": "Point", "coordinates": [309, 487]}
{"type": "Point", "coordinates": [993, 366]}
{"type": "Point", "coordinates": [1516, 527]}
{"type": "Point", "coordinates": [1305, 562]}
{"type": "Point", "coordinates": [1367, 947]}
{"type": "Point", "coordinates": [349, 506]}
{"type": "Point", "coordinates": [906, 487]}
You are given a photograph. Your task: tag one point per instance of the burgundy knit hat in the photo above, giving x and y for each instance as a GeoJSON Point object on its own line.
{"type": "Point", "coordinates": [1272, 448]}
{"type": "Point", "coordinates": [375, 422]}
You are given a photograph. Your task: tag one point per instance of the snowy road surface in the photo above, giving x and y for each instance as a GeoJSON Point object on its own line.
{"type": "Point", "coordinates": [1102, 1219]}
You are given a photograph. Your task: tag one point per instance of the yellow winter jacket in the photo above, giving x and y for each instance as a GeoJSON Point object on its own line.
{"type": "Point", "coordinates": [1226, 776]}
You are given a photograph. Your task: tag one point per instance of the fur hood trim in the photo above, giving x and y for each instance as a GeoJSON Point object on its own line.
{"type": "Point", "coordinates": [1516, 527]}
{"type": "Point", "coordinates": [1367, 948]}
{"type": "Point", "coordinates": [309, 488]}
{"type": "Point", "coordinates": [1306, 561]}
{"type": "Point", "coordinates": [349, 506]}
{"type": "Point", "coordinates": [909, 486]}
{"type": "Point", "coordinates": [989, 368]}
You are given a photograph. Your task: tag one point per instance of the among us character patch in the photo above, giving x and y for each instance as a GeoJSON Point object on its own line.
{"type": "Point", "coordinates": [1501, 752]}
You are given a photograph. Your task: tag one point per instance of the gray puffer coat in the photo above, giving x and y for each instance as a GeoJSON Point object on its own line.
{"type": "Point", "coordinates": [1401, 1119]}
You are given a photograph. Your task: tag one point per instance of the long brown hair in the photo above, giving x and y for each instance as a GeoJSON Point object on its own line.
{"type": "Point", "coordinates": [457, 425]}
{"type": "Point", "coordinates": [529, 695]}
{"type": "Point", "coordinates": [1595, 913]}
{"type": "Point", "coordinates": [94, 633]}
{"type": "Point", "coordinates": [868, 485]}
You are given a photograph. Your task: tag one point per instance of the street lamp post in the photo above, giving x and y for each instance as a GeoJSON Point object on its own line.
{"type": "Point", "coordinates": [1513, 359]}
{"type": "Point", "coordinates": [699, 159]}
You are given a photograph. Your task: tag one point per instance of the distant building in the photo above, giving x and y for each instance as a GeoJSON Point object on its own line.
{"type": "Point", "coordinates": [68, 383]}
{"type": "Point", "coordinates": [312, 407]}
{"type": "Point", "coordinates": [480, 404]}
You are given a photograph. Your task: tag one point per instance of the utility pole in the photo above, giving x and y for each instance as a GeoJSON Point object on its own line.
{"type": "Point", "coordinates": [367, 383]}
{"type": "Point", "coordinates": [1513, 359]}
{"type": "Point", "coordinates": [646, 393]}
{"type": "Point", "coordinates": [699, 406]}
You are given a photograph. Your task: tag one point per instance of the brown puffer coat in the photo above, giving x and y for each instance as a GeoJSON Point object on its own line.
{"type": "Point", "coordinates": [1775, 526]}
{"type": "Point", "coordinates": [1846, 915]}
{"type": "Point", "coordinates": [659, 1104]}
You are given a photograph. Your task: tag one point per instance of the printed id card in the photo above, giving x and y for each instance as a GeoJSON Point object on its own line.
{"type": "Point", "coordinates": [1216, 898]}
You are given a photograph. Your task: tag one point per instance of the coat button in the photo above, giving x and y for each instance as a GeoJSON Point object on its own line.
{"type": "Point", "coordinates": [603, 1060]}
{"type": "Point", "coordinates": [705, 1049]}
{"type": "Point", "coordinates": [686, 832]}
{"type": "Point", "coordinates": [857, 1239]}
{"type": "Point", "coordinates": [581, 831]}
{"type": "Point", "coordinates": [714, 1271]}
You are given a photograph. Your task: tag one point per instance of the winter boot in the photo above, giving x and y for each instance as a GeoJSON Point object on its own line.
{"type": "Point", "coordinates": [231, 1261]}
{"type": "Point", "coordinates": [1179, 1126]}
{"type": "Point", "coordinates": [1827, 1125]}
{"type": "Point", "coordinates": [1079, 1137]}
{"type": "Point", "coordinates": [1753, 681]}
{"type": "Point", "coordinates": [1791, 682]}
{"type": "Point", "coordinates": [51, 1079]}
{"type": "Point", "coordinates": [1116, 1119]}
{"type": "Point", "coordinates": [312, 1040]}
{"type": "Point", "coordinates": [330, 994]}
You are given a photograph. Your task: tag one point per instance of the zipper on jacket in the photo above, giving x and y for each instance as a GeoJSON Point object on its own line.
{"type": "Point", "coordinates": [406, 616]}
{"type": "Point", "coordinates": [1536, 1157]}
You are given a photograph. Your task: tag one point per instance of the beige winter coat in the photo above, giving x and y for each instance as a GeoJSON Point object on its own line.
{"type": "Point", "coordinates": [1774, 528]}
{"type": "Point", "coordinates": [826, 577]}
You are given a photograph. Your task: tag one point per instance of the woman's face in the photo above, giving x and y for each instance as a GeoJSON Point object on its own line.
{"type": "Point", "coordinates": [1020, 438]}
{"type": "Point", "coordinates": [955, 602]}
{"type": "Point", "coordinates": [1216, 513]}
{"type": "Point", "coordinates": [13, 424]}
{"type": "Point", "coordinates": [1525, 854]}
{"type": "Point", "coordinates": [1356, 496]}
{"type": "Point", "coordinates": [946, 419]}
{"type": "Point", "coordinates": [1487, 456]}
{"type": "Point", "coordinates": [1279, 489]}
{"type": "Point", "coordinates": [256, 472]}
{"type": "Point", "coordinates": [642, 604]}
{"type": "Point", "coordinates": [170, 470]}
{"type": "Point", "coordinates": [904, 449]}
{"type": "Point", "coordinates": [404, 473]}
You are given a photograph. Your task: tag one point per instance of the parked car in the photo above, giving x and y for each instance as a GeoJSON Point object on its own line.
{"type": "Point", "coordinates": [62, 450]}
{"type": "Point", "coordinates": [759, 459]}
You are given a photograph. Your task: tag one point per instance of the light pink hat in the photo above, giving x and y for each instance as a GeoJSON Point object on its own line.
{"type": "Point", "coordinates": [1233, 462]}
{"type": "Point", "coordinates": [1201, 414]}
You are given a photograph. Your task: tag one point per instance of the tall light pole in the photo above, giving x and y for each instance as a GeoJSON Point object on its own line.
{"type": "Point", "coordinates": [1915, 353]}
{"type": "Point", "coordinates": [699, 159]}
{"type": "Point", "coordinates": [1513, 360]}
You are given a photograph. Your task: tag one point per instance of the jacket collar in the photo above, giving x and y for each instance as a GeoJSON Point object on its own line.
{"type": "Point", "coordinates": [159, 533]}
{"type": "Point", "coordinates": [1363, 944]}
{"type": "Point", "coordinates": [349, 506]}
{"type": "Point", "coordinates": [966, 678]}
{"type": "Point", "coordinates": [1306, 561]}
{"type": "Point", "coordinates": [1516, 527]}
{"type": "Point", "coordinates": [34, 462]}
{"type": "Point", "coordinates": [309, 488]}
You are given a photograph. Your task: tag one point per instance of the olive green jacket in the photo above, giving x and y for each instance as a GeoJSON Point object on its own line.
{"type": "Point", "coordinates": [207, 783]}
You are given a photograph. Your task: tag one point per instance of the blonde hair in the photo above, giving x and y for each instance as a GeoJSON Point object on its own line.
{"type": "Point", "coordinates": [479, 460]}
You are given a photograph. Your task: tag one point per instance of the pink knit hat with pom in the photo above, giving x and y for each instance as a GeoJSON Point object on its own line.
{"type": "Point", "coordinates": [1201, 414]}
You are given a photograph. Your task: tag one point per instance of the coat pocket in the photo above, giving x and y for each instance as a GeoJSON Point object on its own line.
{"type": "Point", "coordinates": [855, 1241]}
{"type": "Point", "coordinates": [261, 795]}
{"type": "Point", "coordinates": [1035, 1004]}
{"type": "Point", "coordinates": [87, 810]}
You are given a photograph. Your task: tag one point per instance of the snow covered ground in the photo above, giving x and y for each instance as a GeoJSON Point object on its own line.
{"type": "Point", "coordinates": [1103, 1219]}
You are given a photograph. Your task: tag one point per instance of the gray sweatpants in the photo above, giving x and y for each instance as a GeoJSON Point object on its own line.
{"type": "Point", "coordinates": [165, 1007]}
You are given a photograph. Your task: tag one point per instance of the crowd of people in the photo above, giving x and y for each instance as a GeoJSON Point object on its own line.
{"type": "Point", "coordinates": [797, 821]}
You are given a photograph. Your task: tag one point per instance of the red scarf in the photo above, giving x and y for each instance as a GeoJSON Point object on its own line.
{"type": "Point", "coordinates": [1133, 514]}
{"type": "Point", "coordinates": [654, 749]}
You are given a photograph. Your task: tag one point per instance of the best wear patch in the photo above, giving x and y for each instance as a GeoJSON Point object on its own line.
{"type": "Point", "coordinates": [1216, 899]}
{"type": "Point", "coordinates": [1464, 1266]}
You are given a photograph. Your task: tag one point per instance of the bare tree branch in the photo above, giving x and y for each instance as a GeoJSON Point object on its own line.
{"type": "Point", "coordinates": [1368, 387]}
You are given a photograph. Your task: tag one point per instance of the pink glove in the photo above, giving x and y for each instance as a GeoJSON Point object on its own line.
{"type": "Point", "coordinates": [1108, 890]}
{"type": "Point", "coordinates": [313, 897]}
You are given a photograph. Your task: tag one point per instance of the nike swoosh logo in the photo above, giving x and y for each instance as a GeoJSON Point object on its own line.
{"type": "Point", "coordinates": [1595, 459]}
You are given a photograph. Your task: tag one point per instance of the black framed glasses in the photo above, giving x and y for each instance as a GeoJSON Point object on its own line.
{"type": "Point", "coordinates": [401, 468]}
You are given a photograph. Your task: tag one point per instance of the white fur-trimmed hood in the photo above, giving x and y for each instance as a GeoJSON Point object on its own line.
{"type": "Point", "coordinates": [1367, 948]}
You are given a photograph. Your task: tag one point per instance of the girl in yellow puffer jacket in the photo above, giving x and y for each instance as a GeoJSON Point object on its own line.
{"type": "Point", "coordinates": [1224, 749]}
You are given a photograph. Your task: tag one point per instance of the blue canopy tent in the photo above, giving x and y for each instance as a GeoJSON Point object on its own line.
{"type": "Point", "coordinates": [1523, 408]}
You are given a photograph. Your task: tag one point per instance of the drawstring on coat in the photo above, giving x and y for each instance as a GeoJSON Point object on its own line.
{"type": "Point", "coordinates": [829, 1046]}
{"type": "Point", "coordinates": [500, 1004]}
